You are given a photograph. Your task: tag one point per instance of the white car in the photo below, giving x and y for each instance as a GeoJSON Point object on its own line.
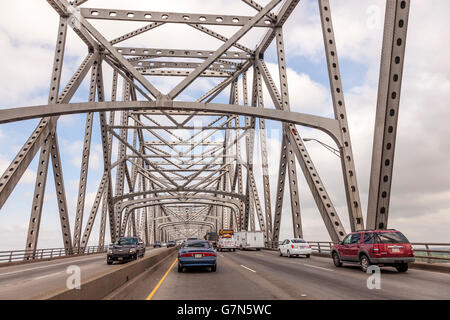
{"type": "Point", "coordinates": [226, 244]}
{"type": "Point", "coordinates": [294, 247]}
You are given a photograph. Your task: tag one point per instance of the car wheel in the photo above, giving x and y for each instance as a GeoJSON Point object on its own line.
{"type": "Point", "coordinates": [214, 268]}
{"type": "Point", "coordinates": [336, 260]}
{"type": "Point", "coordinates": [280, 253]}
{"type": "Point", "coordinates": [180, 268]}
{"type": "Point", "coordinates": [135, 257]}
{"type": "Point", "coordinates": [402, 267]}
{"type": "Point", "coordinates": [365, 263]}
{"type": "Point", "coordinates": [308, 255]}
{"type": "Point", "coordinates": [109, 262]}
{"type": "Point", "coordinates": [289, 254]}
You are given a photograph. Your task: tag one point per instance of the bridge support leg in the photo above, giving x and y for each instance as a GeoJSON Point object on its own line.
{"type": "Point", "coordinates": [46, 147]}
{"type": "Point", "coordinates": [337, 93]}
{"type": "Point", "coordinates": [392, 60]}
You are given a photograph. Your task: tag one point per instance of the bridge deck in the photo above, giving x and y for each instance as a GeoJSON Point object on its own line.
{"type": "Point", "coordinates": [282, 278]}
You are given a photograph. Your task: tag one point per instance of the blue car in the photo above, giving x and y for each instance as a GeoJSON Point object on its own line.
{"type": "Point", "coordinates": [197, 253]}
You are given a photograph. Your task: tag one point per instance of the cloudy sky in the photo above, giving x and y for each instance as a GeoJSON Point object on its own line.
{"type": "Point", "coordinates": [420, 202]}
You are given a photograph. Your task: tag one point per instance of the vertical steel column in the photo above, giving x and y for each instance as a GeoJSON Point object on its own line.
{"type": "Point", "coordinates": [243, 222]}
{"type": "Point", "coordinates": [391, 74]}
{"type": "Point", "coordinates": [121, 155]}
{"type": "Point", "coordinates": [107, 151]}
{"type": "Point", "coordinates": [251, 192]}
{"type": "Point", "coordinates": [85, 160]}
{"type": "Point", "coordinates": [41, 177]}
{"type": "Point", "coordinates": [292, 170]}
{"type": "Point", "coordinates": [38, 199]}
{"type": "Point", "coordinates": [61, 193]}
{"type": "Point", "coordinates": [101, 238]}
{"type": "Point", "coordinates": [280, 193]}
{"type": "Point", "coordinates": [93, 214]}
{"type": "Point", "coordinates": [347, 159]}
{"type": "Point", "coordinates": [264, 160]}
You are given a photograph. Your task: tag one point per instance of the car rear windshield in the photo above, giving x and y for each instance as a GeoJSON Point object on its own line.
{"type": "Point", "coordinates": [197, 244]}
{"type": "Point", "coordinates": [391, 237]}
{"type": "Point", "coordinates": [126, 241]}
{"type": "Point", "coordinates": [298, 241]}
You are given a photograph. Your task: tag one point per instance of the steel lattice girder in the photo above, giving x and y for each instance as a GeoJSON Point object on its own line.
{"type": "Point", "coordinates": [171, 170]}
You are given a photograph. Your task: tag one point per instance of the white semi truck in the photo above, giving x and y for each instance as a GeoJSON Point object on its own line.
{"type": "Point", "coordinates": [249, 240]}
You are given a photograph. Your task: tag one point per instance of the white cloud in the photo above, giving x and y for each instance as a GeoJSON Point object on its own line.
{"type": "Point", "coordinates": [28, 178]}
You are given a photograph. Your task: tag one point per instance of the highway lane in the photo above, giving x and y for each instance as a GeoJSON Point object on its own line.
{"type": "Point", "coordinates": [230, 281]}
{"type": "Point", "coordinates": [319, 279]}
{"type": "Point", "coordinates": [266, 276]}
{"type": "Point", "coordinates": [39, 279]}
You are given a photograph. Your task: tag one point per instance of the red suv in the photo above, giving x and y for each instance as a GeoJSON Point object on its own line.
{"type": "Point", "coordinates": [374, 247]}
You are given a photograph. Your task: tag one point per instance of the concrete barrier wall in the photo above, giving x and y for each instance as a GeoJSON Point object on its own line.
{"type": "Point", "coordinates": [100, 286]}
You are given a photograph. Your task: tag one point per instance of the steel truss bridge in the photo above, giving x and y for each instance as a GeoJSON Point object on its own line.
{"type": "Point", "coordinates": [170, 179]}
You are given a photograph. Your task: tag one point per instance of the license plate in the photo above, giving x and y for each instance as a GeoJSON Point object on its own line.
{"type": "Point", "coordinates": [395, 250]}
{"type": "Point", "coordinates": [120, 259]}
{"type": "Point", "coordinates": [198, 255]}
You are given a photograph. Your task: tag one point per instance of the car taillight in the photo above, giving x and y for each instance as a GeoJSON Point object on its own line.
{"type": "Point", "coordinates": [292, 246]}
{"type": "Point", "coordinates": [186, 254]}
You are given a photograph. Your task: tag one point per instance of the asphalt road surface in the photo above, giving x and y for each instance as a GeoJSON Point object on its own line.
{"type": "Point", "coordinates": [40, 279]}
{"type": "Point", "coordinates": [265, 275]}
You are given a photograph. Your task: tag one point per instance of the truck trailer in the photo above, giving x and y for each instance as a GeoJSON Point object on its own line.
{"type": "Point", "coordinates": [249, 240]}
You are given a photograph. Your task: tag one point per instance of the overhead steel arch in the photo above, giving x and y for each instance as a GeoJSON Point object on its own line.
{"type": "Point", "coordinates": [131, 204]}
{"type": "Point", "coordinates": [149, 192]}
{"type": "Point", "coordinates": [163, 225]}
{"type": "Point", "coordinates": [327, 125]}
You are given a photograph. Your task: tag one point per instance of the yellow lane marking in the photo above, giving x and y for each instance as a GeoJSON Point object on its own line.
{"type": "Point", "coordinates": [150, 296]}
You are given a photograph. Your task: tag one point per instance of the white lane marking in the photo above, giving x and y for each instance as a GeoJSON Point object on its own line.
{"type": "Point", "coordinates": [46, 276]}
{"type": "Point", "coordinates": [48, 266]}
{"type": "Point", "coordinates": [221, 255]}
{"type": "Point", "coordinates": [247, 268]}
{"type": "Point", "coordinates": [309, 265]}
{"type": "Point", "coordinates": [304, 295]}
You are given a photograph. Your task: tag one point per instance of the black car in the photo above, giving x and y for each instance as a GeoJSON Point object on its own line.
{"type": "Point", "coordinates": [129, 248]}
{"type": "Point", "coordinates": [157, 244]}
{"type": "Point", "coordinates": [171, 244]}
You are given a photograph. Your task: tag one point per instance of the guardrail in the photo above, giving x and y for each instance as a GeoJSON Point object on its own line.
{"type": "Point", "coordinates": [429, 252]}
{"type": "Point", "coordinates": [47, 254]}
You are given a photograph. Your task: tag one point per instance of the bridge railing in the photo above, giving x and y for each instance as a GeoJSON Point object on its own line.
{"type": "Point", "coordinates": [424, 252]}
{"type": "Point", "coordinates": [47, 254]}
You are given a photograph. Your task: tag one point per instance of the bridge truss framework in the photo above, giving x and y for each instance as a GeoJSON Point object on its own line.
{"type": "Point", "coordinates": [161, 186]}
